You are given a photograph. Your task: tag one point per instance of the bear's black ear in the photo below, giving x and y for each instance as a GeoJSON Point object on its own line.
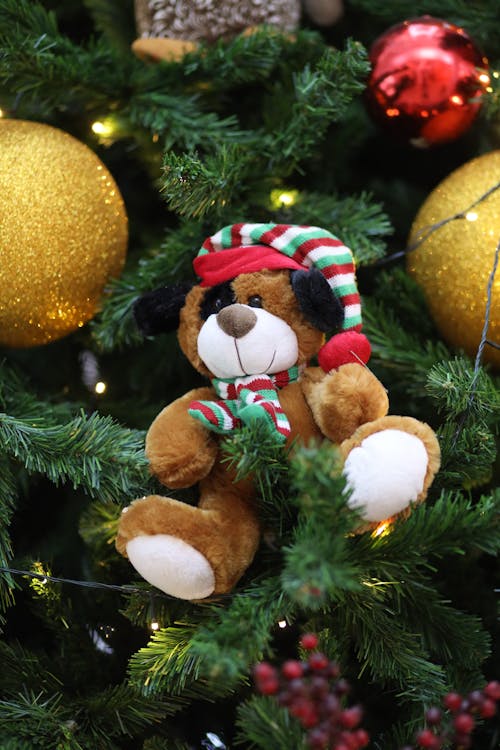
{"type": "Point", "coordinates": [158, 311]}
{"type": "Point", "coordinates": [316, 300]}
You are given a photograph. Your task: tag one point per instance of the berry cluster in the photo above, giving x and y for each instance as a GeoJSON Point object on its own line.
{"type": "Point", "coordinates": [456, 731]}
{"type": "Point", "coordinates": [313, 692]}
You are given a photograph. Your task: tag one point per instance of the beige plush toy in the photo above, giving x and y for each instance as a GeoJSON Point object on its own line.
{"type": "Point", "coordinates": [169, 29]}
{"type": "Point", "coordinates": [266, 296]}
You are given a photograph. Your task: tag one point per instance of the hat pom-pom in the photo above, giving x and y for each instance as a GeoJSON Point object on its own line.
{"type": "Point", "coordinates": [345, 347]}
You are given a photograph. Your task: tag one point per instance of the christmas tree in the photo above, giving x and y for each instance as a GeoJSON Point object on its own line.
{"type": "Point", "coordinates": [279, 124]}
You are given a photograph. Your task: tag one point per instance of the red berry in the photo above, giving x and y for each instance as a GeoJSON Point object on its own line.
{"type": "Point", "coordinates": [301, 707]}
{"type": "Point", "coordinates": [297, 688]}
{"type": "Point", "coordinates": [330, 706]}
{"type": "Point", "coordinates": [318, 739]}
{"type": "Point", "coordinates": [475, 698]}
{"type": "Point", "coordinates": [269, 686]}
{"type": "Point", "coordinates": [433, 716]}
{"type": "Point", "coordinates": [333, 670]}
{"type": "Point", "coordinates": [350, 717]}
{"type": "Point", "coordinates": [263, 671]}
{"type": "Point", "coordinates": [341, 687]}
{"type": "Point", "coordinates": [318, 661]}
{"type": "Point", "coordinates": [341, 746]}
{"type": "Point", "coordinates": [452, 701]}
{"type": "Point", "coordinates": [362, 737]}
{"type": "Point", "coordinates": [319, 686]}
{"type": "Point", "coordinates": [292, 669]}
{"type": "Point", "coordinates": [310, 719]}
{"type": "Point", "coordinates": [488, 708]}
{"type": "Point", "coordinates": [464, 723]}
{"type": "Point", "coordinates": [427, 739]}
{"type": "Point", "coordinates": [463, 741]}
{"type": "Point", "coordinates": [309, 641]}
{"type": "Point", "coordinates": [492, 690]}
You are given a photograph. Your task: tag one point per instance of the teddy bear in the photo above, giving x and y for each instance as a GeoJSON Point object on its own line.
{"type": "Point", "coordinates": [254, 324]}
{"type": "Point", "coordinates": [168, 29]}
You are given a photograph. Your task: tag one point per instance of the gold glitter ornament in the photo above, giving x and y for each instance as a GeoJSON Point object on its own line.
{"type": "Point", "coordinates": [63, 233]}
{"type": "Point", "coordinates": [454, 263]}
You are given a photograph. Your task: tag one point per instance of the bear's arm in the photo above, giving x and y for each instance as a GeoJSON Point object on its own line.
{"type": "Point", "coordinates": [180, 450]}
{"type": "Point", "coordinates": [343, 399]}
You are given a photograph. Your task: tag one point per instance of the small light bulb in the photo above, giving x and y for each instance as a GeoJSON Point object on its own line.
{"type": "Point", "coordinates": [282, 624]}
{"type": "Point", "coordinates": [382, 529]}
{"type": "Point", "coordinates": [496, 74]}
{"type": "Point", "coordinates": [100, 387]}
{"type": "Point", "coordinates": [471, 216]}
{"type": "Point", "coordinates": [484, 78]}
{"type": "Point", "coordinates": [43, 580]}
{"type": "Point", "coordinates": [102, 128]}
{"type": "Point", "coordinates": [155, 625]}
{"type": "Point", "coordinates": [280, 198]}
{"type": "Point", "coordinates": [2, 113]}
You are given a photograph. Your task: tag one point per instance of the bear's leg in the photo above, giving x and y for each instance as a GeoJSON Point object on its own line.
{"type": "Point", "coordinates": [389, 464]}
{"type": "Point", "coordinates": [192, 552]}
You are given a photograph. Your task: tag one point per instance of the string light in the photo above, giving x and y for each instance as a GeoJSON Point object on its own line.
{"type": "Point", "coordinates": [103, 127]}
{"type": "Point", "coordinates": [382, 529]}
{"type": "Point", "coordinates": [471, 216]}
{"type": "Point", "coordinates": [155, 625]}
{"type": "Point", "coordinates": [100, 387]}
{"type": "Point", "coordinates": [282, 624]}
{"type": "Point", "coordinates": [2, 113]}
{"type": "Point", "coordinates": [284, 198]}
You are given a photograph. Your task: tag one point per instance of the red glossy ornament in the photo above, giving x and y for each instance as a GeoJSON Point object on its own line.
{"type": "Point", "coordinates": [426, 82]}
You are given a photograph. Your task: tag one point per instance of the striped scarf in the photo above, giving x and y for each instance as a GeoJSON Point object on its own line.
{"type": "Point", "coordinates": [244, 400]}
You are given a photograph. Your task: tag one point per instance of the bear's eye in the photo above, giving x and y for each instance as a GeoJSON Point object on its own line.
{"type": "Point", "coordinates": [216, 298]}
{"type": "Point", "coordinates": [255, 301]}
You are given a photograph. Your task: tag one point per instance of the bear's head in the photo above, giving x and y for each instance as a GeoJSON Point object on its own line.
{"type": "Point", "coordinates": [267, 296]}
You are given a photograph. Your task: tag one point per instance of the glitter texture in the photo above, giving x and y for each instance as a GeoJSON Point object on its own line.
{"type": "Point", "coordinates": [63, 233]}
{"type": "Point", "coordinates": [454, 264]}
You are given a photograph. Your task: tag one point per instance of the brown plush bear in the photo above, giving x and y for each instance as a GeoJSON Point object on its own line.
{"type": "Point", "coordinates": [267, 294]}
{"type": "Point", "coordinates": [169, 29]}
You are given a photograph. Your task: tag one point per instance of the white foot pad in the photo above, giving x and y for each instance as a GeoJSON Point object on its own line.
{"type": "Point", "coordinates": [385, 473]}
{"type": "Point", "coordinates": [173, 566]}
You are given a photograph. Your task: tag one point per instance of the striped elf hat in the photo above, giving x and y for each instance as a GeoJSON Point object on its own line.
{"type": "Point", "coordinates": [254, 247]}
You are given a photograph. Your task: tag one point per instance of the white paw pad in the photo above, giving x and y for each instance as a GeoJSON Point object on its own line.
{"type": "Point", "coordinates": [172, 565]}
{"type": "Point", "coordinates": [386, 473]}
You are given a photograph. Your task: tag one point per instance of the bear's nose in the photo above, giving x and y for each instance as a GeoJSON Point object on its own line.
{"type": "Point", "coordinates": [236, 320]}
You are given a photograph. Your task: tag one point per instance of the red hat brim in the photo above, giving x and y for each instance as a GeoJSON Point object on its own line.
{"type": "Point", "coordinates": [216, 267]}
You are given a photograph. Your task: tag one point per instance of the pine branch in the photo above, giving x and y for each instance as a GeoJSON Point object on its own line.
{"type": "Point", "coordinates": [468, 454]}
{"type": "Point", "coordinates": [317, 563]}
{"type": "Point", "coordinates": [238, 636]}
{"type": "Point", "coordinates": [115, 20]}
{"type": "Point", "coordinates": [239, 174]}
{"type": "Point", "coordinates": [47, 68]}
{"type": "Point", "coordinates": [480, 19]}
{"type": "Point", "coordinates": [458, 389]}
{"type": "Point", "coordinates": [115, 326]}
{"type": "Point", "coordinates": [387, 649]}
{"type": "Point", "coordinates": [195, 187]}
{"type": "Point", "coordinates": [450, 526]}
{"type": "Point", "coordinates": [170, 664]}
{"type": "Point", "coordinates": [455, 638]}
{"type": "Point", "coordinates": [94, 453]}
{"type": "Point", "coordinates": [40, 719]}
{"type": "Point", "coordinates": [321, 96]}
{"type": "Point", "coordinates": [8, 494]}
{"type": "Point", "coordinates": [255, 58]}
{"type": "Point", "coordinates": [268, 726]}
{"type": "Point", "coordinates": [398, 350]}
{"type": "Point", "coordinates": [357, 220]}
{"type": "Point", "coordinates": [116, 712]}
{"type": "Point", "coordinates": [181, 121]}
